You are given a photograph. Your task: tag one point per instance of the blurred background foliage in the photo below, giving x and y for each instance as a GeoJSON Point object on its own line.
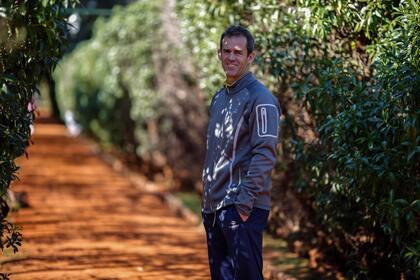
{"type": "Point", "coordinates": [123, 88]}
{"type": "Point", "coordinates": [32, 35]}
{"type": "Point", "coordinates": [107, 92]}
{"type": "Point", "coordinates": [347, 76]}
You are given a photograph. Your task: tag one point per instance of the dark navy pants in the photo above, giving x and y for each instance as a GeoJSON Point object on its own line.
{"type": "Point", "coordinates": [234, 246]}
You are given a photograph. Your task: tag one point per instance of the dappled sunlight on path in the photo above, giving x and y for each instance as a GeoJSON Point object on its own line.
{"type": "Point", "coordinates": [86, 221]}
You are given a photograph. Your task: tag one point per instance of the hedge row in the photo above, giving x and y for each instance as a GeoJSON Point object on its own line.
{"type": "Point", "coordinates": [124, 91]}
{"type": "Point", "coordinates": [100, 83]}
{"type": "Point", "coordinates": [347, 75]}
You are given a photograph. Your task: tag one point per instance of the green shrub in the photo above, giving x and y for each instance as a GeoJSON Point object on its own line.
{"type": "Point", "coordinates": [127, 88]}
{"type": "Point", "coordinates": [363, 169]}
{"type": "Point", "coordinates": [108, 82]}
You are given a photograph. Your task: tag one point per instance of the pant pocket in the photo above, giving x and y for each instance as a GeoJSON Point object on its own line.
{"type": "Point", "coordinates": [235, 214]}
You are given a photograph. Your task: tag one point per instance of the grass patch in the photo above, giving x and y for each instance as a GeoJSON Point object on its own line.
{"type": "Point", "coordinates": [285, 261]}
{"type": "Point", "coordinates": [191, 200]}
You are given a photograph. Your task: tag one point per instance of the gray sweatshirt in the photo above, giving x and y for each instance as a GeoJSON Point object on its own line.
{"type": "Point", "coordinates": [241, 147]}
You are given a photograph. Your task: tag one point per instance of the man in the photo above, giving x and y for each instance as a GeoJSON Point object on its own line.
{"type": "Point", "coordinates": [241, 152]}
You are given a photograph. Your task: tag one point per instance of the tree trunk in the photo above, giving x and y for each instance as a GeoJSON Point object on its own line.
{"type": "Point", "coordinates": [55, 111]}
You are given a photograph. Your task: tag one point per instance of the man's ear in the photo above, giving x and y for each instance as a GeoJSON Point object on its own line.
{"type": "Point", "coordinates": [252, 56]}
{"type": "Point", "coordinates": [219, 54]}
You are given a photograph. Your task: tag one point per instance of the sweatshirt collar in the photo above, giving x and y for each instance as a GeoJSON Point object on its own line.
{"type": "Point", "coordinates": [241, 83]}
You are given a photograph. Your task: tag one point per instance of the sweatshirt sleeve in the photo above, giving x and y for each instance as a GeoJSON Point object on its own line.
{"type": "Point", "coordinates": [264, 124]}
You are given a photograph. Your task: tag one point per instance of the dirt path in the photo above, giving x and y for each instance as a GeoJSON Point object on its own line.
{"type": "Point", "coordinates": [86, 221]}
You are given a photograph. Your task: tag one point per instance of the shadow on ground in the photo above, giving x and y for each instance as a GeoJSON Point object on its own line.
{"type": "Point", "coordinates": [85, 221]}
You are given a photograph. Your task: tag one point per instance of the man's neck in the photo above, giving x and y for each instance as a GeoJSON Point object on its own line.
{"type": "Point", "coordinates": [233, 82]}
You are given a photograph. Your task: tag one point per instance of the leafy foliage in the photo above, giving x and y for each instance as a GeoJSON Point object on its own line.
{"type": "Point", "coordinates": [350, 136]}
{"type": "Point", "coordinates": [104, 88]}
{"type": "Point", "coordinates": [126, 91]}
{"type": "Point", "coordinates": [31, 40]}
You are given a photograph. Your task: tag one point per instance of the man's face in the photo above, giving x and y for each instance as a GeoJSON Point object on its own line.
{"type": "Point", "coordinates": [234, 57]}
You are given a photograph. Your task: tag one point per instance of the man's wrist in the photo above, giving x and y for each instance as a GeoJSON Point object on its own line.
{"type": "Point", "coordinates": [243, 214]}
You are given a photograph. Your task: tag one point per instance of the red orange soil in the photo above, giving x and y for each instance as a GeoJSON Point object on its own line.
{"type": "Point", "coordinates": [86, 221]}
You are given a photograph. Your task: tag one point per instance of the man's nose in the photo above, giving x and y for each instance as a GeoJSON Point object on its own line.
{"type": "Point", "coordinates": [231, 56]}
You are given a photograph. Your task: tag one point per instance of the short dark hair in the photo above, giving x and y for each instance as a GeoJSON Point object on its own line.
{"type": "Point", "coordinates": [238, 30]}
